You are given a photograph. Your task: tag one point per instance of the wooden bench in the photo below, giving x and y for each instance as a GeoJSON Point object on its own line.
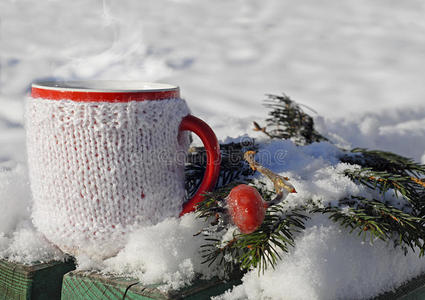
{"type": "Point", "coordinates": [412, 290]}
{"type": "Point", "coordinates": [79, 285]}
{"type": "Point", "coordinates": [38, 281]}
{"type": "Point", "coordinates": [56, 280]}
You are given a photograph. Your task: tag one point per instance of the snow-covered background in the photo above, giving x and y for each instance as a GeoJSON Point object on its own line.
{"type": "Point", "coordinates": [360, 61]}
{"type": "Point", "coordinates": [359, 64]}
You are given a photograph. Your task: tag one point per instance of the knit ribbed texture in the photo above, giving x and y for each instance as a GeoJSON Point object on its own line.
{"type": "Point", "coordinates": [98, 169]}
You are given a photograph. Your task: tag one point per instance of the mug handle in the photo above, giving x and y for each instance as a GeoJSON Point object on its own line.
{"type": "Point", "coordinates": [212, 147]}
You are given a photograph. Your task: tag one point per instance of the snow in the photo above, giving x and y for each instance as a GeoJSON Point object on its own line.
{"type": "Point", "coordinates": [359, 64]}
{"type": "Point", "coordinates": [166, 252]}
{"type": "Point", "coordinates": [330, 263]}
{"type": "Point", "coordinates": [19, 240]}
{"type": "Point", "coordinates": [28, 246]}
{"type": "Point", "coordinates": [335, 57]}
{"type": "Point", "coordinates": [327, 262]}
{"type": "Point", "coordinates": [14, 194]}
{"type": "Point", "coordinates": [401, 131]}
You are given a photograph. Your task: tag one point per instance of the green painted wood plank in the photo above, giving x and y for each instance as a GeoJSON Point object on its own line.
{"type": "Point", "coordinates": [412, 290]}
{"type": "Point", "coordinates": [91, 285]}
{"type": "Point", "coordinates": [32, 282]}
{"type": "Point", "coordinates": [204, 289]}
{"type": "Point", "coordinates": [83, 285]}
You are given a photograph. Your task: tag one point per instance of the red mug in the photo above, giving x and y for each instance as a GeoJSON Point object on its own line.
{"type": "Point", "coordinates": [105, 156]}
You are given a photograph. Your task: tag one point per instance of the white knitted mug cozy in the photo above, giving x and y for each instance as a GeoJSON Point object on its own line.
{"type": "Point", "coordinates": [103, 158]}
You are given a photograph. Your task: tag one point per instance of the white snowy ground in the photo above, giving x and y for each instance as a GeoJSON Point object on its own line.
{"type": "Point", "coordinates": [359, 64]}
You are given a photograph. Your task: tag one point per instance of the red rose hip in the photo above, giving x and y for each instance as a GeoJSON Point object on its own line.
{"type": "Point", "coordinates": [246, 208]}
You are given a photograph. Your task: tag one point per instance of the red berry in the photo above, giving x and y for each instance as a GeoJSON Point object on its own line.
{"type": "Point", "coordinates": [246, 208]}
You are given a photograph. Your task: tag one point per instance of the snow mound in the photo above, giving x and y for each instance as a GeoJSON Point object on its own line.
{"type": "Point", "coordinates": [330, 263]}
{"type": "Point", "coordinates": [327, 262]}
{"type": "Point", "coordinates": [28, 246]}
{"type": "Point", "coordinates": [167, 252]}
{"type": "Point", "coordinates": [19, 240]}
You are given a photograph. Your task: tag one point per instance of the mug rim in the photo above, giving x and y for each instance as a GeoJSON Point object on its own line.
{"type": "Point", "coordinates": [103, 90]}
{"type": "Point", "coordinates": [104, 86]}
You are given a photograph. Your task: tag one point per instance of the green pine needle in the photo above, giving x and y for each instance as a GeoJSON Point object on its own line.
{"type": "Point", "coordinates": [287, 120]}
{"type": "Point", "coordinates": [262, 248]}
{"type": "Point", "coordinates": [374, 219]}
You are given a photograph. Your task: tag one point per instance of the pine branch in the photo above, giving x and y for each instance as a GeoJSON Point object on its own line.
{"type": "Point", "coordinates": [215, 201]}
{"type": "Point", "coordinates": [382, 181]}
{"type": "Point", "coordinates": [385, 161]}
{"type": "Point", "coordinates": [378, 220]}
{"type": "Point", "coordinates": [261, 248]}
{"type": "Point", "coordinates": [383, 171]}
{"type": "Point", "coordinates": [287, 120]}
{"type": "Point", "coordinates": [233, 166]}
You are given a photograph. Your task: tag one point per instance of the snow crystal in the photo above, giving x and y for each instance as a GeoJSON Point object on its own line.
{"type": "Point", "coordinates": [29, 246]}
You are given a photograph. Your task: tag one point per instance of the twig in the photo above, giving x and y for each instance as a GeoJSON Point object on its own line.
{"type": "Point", "coordinates": [280, 183]}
